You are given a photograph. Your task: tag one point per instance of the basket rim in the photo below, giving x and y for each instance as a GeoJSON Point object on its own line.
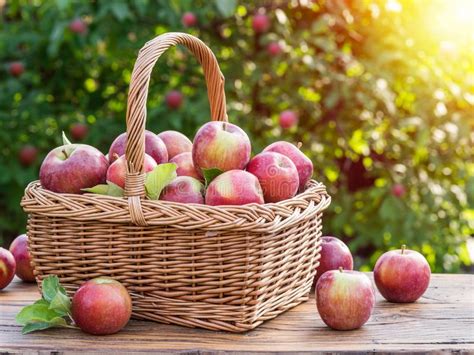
{"type": "Point", "coordinates": [251, 217]}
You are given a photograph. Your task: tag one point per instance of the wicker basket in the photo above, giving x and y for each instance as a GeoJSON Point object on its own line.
{"type": "Point", "coordinates": [222, 268]}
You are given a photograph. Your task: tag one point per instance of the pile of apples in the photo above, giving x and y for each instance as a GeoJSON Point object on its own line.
{"type": "Point", "coordinates": [215, 169]}
{"type": "Point", "coordinates": [345, 298]}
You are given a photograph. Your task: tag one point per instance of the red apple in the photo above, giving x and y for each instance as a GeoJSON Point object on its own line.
{"type": "Point", "coordinates": [277, 175]}
{"type": "Point", "coordinates": [221, 145]}
{"type": "Point", "coordinates": [274, 49]}
{"type": "Point", "coordinates": [402, 275]}
{"type": "Point", "coordinates": [174, 99]}
{"type": "Point", "coordinates": [302, 162]}
{"type": "Point", "coordinates": [78, 26]}
{"type": "Point", "coordinates": [27, 155]}
{"type": "Point", "coordinates": [118, 169]}
{"type": "Point", "coordinates": [16, 69]}
{"type": "Point", "coordinates": [101, 306]}
{"type": "Point", "coordinates": [79, 131]}
{"type": "Point", "coordinates": [176, 143]}
{"type": "Point", "coordinates": [288, 119]}
{"type": "Point", "coordinates": [234, 187]}
{"type": "Point", "coordinates": [345, 299]}
{"type": "Point", "coordinates": [154, 147]}
{"type": "Point", "coordinates": [189, 19]}
{"type": "Point", "coordinates": [19, 249]}
{"type": "Point", "coordinates": [185, 165]}
{"type": "Point", "coordinates": [73, 167]}
{"type": "Point", "coordinates": [334, 254]}
{"type": "Point", "coordinates": [398, 190]}
{"type": "Point", "coordinates": [184, 189]}
{"type": "Point", "coordinates": [7, 268]}
{"type": "Point", "coordinates": [260, 23]}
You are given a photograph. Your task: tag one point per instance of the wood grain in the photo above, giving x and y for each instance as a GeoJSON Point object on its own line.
{"type": "Point", "coordinates": [442, 321]}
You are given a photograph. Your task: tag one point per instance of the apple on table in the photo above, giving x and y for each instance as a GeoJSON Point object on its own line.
{"type": "Point", "coordinates": [19, 250]}
{"type": "Point", "coordinates": [7, 267]}
{"type": "Point", "coordinates": [334, 254]}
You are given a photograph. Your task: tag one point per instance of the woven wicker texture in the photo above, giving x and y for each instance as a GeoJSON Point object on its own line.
{"type": "Point", "coordinates": [221, 268]}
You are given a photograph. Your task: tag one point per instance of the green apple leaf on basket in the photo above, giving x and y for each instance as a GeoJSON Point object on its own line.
{"type": "Point", "coordinates": [158, 178]}
{"type": "Point", "coordinates": [211, 174]}
{"type": "Point", "coordinates": [52, 310]}
{"type": "Point", "coordinates": [109, 189]}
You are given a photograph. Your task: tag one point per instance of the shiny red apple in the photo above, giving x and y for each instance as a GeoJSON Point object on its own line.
{"type": "Point", "coordinates": [7, 267]}
{"type": "Point", "coordinates": [302, 162]}
{"type": "Point", "coordinates": [176, 143]}
{"type": "Point", "coordinates": [402, 275]}
{"type": "Point", "coordinates": [19, 249]}
{"type": "Point", "coordinates": [277, 175]}
{"type": "Point", "coordinates": [185, 166]}
{"type": "Point", "coordinates": [154, 147]}
{"type": "Point", "coordinates": [101, 306]}
{"type": "Point", "coordinates": [184, 189]}
{"type": "Point", "coordinates": [345, 299]}
{"type": "Point", "coordinates": [334, 254]}
{"type": "Point", "coordinates": [73, 167]}
{"type": "Point", "coordinates": [234, 187]}
{"type": "Point", "coordinates": [117, 171]}
{"type": "Point", "coordinates": [221, 145]}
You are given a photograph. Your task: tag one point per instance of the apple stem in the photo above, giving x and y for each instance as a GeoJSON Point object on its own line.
{"type": "Point", "coordinates": [403, 248]}
{"type": "Point", "coordinates": [341, 268]}
{"type": "Point", "coordinates": [115, 156]}
{"type": "Point", "coordinates": [299, 145]}
{"type": "Point", "coordinates": [65, 153]}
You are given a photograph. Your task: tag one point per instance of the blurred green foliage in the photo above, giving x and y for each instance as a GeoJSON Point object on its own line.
{"type": "Point", "coordinates": [380, 102]}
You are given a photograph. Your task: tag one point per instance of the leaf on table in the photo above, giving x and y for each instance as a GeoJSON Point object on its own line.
{"type": "Point", "coordinates": [55, 322]}
{"type": "Point", "coordinates": [36, 313]}
{"type": "Point", "coordinates": [61, 304]}
{"type": "Point", "coordinates": [66, 141]}
{"type": "Point", "coordinates": [50, 287]}
{"type": "Point", "coordinates": [211, 174]}
{"type": "Point", "coordinates": [158, 178]}
{"type": "Point", "coordinates": [109, 189]}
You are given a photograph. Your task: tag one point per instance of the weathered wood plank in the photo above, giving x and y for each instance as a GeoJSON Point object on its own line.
{"type": "Point", "coordinates": [443, 320]}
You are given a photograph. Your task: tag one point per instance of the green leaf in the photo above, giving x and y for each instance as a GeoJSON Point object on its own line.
{"type": "Point", "coordinates": [65, 140]}
{"type": "Point", "coordinates": [31, 327]}
{"type": "Point", "coordinates": [50, 287]}
{"type": "Point", "coordinates": [158, 178]}
{"type": "Point", "coordinates": [55, 322]}
{"type": "Point", "coordinates": [36, 312]}
{"type": "Point", "coordinates": [211, 174]}
{"type": "Point", "coordinates": [61, 304]}
{"type": "Point", "coordinates": [109, 189]}
{"type": "Point", "coordinates": [226, 7]}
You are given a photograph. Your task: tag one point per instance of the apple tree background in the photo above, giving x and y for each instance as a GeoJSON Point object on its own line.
{"type": "Point", "coordinates": [384, 92]}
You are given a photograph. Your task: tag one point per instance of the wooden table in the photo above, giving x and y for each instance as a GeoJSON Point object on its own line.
{"type": "Point", "coordinates": [443, 320]}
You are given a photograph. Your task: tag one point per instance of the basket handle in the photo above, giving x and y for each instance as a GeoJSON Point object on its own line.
{"type": "Point", "coordinates": [138, 93]}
